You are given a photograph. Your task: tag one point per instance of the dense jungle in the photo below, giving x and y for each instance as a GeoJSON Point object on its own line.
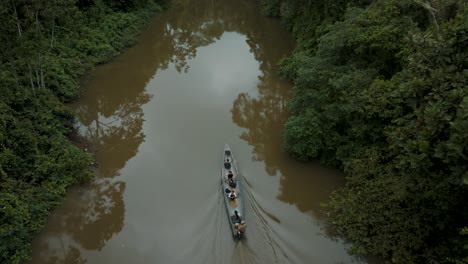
{"type": "Point", "coordinates": [380, 92]}
{"type": "Point", "coordinates": [46, 47]}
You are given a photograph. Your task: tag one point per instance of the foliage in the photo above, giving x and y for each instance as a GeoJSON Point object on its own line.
{"type": "Point", "coordinates": [45, 47]}
{"type": "Point", "coordinates": [270, 8]}
{"type": "Point", "coordinates": [307, 18]}
{"type": "Point", "coordinates": [303, 136]}
{"type": "Point", "coordinates": [381, 90]}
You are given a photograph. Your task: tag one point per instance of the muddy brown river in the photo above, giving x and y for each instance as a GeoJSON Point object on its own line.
{"type": "Point", "coordinates": [204, 73]}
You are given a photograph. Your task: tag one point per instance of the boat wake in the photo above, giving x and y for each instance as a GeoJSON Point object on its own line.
{"type": "Point", "coordinates": [261, 229]}
{"type": "Point", "coordinates": [244, 254]}
{"type": "Point", "coordinates": [219, 237]}
{"type": "Point", "coordinates": [260, 243]}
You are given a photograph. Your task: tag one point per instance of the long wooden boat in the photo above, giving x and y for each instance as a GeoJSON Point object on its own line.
{"type": "Point", "coordinates": [236, 204]}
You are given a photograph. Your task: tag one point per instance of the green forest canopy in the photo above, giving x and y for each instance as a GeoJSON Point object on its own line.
{"type": "Point", "coordinates": [381, 91]}
{"type": "Point", "coordinates": [45, 46]}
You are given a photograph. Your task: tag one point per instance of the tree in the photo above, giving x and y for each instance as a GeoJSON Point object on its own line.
{"type": "Point", "coordinates": [383, 96]}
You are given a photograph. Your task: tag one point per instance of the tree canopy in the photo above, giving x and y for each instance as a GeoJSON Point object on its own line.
{"type": "Point", "coordinates": [381, 91]}
{"type": "Point", "coordinates": [45, 46]}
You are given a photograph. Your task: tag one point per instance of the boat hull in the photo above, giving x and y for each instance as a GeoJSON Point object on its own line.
{"type": "Point", "coordinates": [232, 204]}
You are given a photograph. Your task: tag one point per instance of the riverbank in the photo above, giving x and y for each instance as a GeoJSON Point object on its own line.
{"type": "Point", "coordinates": [380, 92]}
{"type": "Point", "coordinates": [45, 50]}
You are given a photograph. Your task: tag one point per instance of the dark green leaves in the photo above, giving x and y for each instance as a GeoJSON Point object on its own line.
{"type": "Point", "coordinates": [384, 94]}
{"type": "Point", "coordinates": [45, 47]}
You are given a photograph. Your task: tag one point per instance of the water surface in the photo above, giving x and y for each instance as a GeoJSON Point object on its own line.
{"type": "Point", "coordinates": [203, 74]}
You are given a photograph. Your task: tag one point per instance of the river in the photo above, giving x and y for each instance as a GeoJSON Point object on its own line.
{"type": "Point", "coordinates": [204, 73]}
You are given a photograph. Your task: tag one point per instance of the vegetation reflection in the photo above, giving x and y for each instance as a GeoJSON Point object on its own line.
{"type": "Point", "coordinates": [91, 216]}
{"type": "Point", "coordinates": [113, 118]}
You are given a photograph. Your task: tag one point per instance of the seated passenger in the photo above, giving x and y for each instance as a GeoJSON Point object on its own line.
{"type": "Point", "coordinates": [232, 195]}
{"type": "Point", "coordinates": [232, 183]}
{"type": "Point", "coordinates": [230, 174]}
{"type": "Point", "coordinates": [236, 217]}
{"type": "Point", "coordinates": [227, 190]}
{"type": "Point", "coordinates": [227, 164]}
{"type": "Point", "coordinates": [236, 230]}
{"type": "Point", "coordinates": [242, 227]}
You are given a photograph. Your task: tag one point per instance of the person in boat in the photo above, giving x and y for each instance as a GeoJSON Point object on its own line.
{"type": "Point", "coordinates": [236, 217]}
{"type": "Point", "coordinates": [230, 175]}
{"type": "Point", "coordinates": [227, 164]}
{"type": "Point", "coordinates": [236, 229]}
{"type": "Point", "coordinates": [242, 227]}
{"type": "Point", "coordinates": [227, 190]}
{"type": "Point", "coordinates": [232, 195]}
{"type": "Point", "coordinates": [232, 183]}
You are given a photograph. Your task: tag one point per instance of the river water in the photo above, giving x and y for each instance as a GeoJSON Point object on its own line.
{"type": "Point", "coordinates": [203, 74]}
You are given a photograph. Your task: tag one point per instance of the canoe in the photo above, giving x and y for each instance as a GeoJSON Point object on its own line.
{"type": "Point", "coordinates": [236, 204]}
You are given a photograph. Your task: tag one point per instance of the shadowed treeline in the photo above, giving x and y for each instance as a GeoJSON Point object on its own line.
{"type": "Point", "coordinates": [380, 92]}
{"type": "Point", "coordinates": [45, 47]}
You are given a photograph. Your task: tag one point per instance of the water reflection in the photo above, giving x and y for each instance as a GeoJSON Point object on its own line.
{"type": "Point", "coordinates": [91, 216]}
{"type": "Point", "coordinates": [112, 117]}
{"type": "Point", "coordinates": [304, 185]}
{"type": "Point", "coordinates": [263, 115]}
{"type": "Point", "coordinates": [70, 254]}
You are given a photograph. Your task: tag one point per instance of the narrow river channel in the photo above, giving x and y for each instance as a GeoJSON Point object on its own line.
{"type": "Point", "coordinates": [203, 74]}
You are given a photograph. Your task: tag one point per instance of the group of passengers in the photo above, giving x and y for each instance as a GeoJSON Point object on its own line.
{"type": "Point", "coordinates": [239, 225]}
{"type": "Point", "coordinates": [231, 193]}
